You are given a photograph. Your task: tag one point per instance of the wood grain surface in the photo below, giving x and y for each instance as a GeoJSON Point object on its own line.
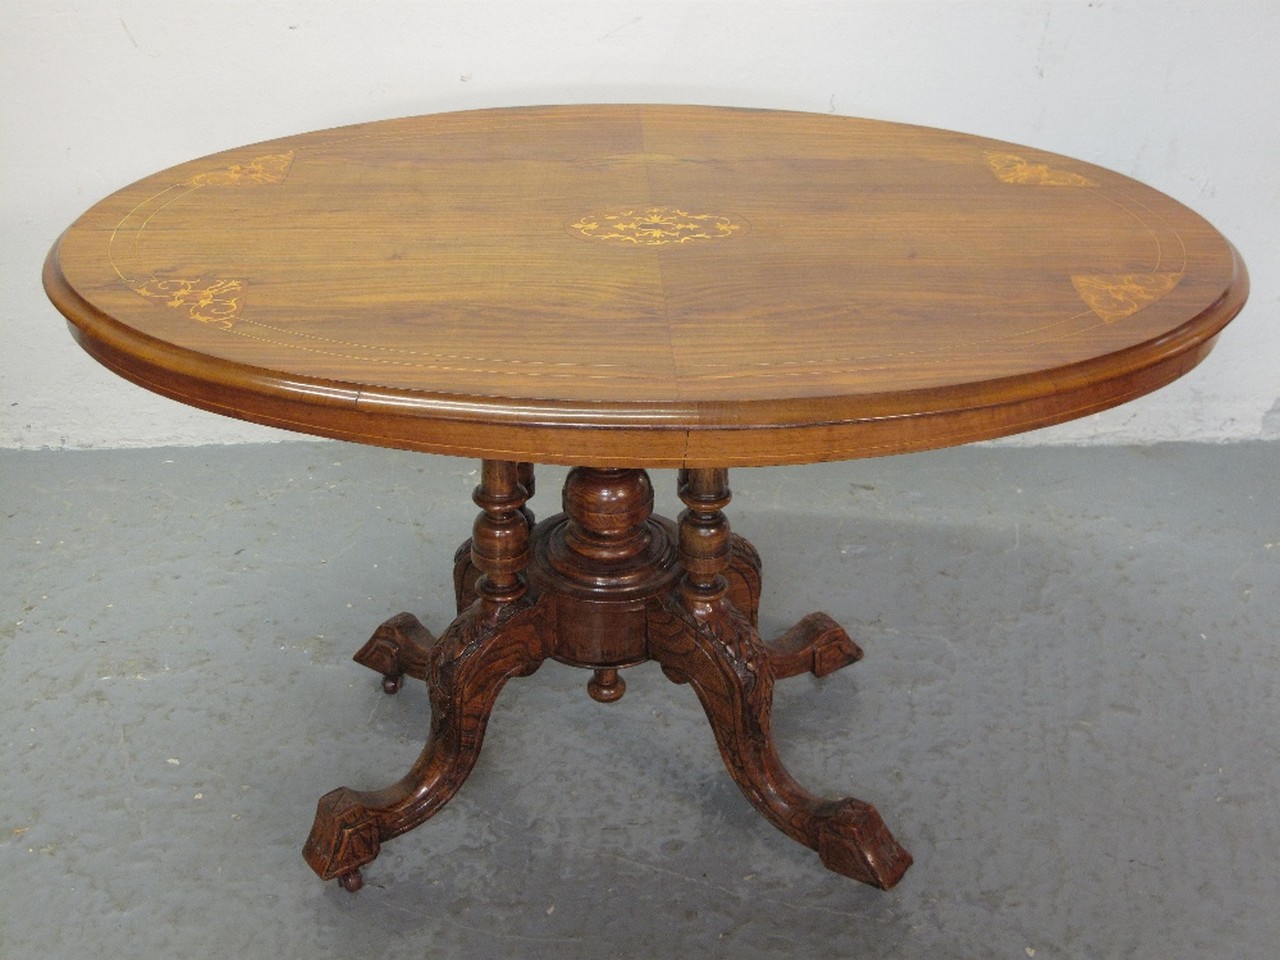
{"type": "Point", "coordinates": [645, 286]}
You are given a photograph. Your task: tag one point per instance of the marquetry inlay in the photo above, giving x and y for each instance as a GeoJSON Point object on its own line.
{"type": "Point", "coordinates": [655, 226]}
{"type": "Point", "coordinates": [215, 302]}
{"type": "Point", "coordinates": [1011, 168]}
{"type": "Point", "coordinates": [1115, 297]}
{"type": "Point", "coordinates": [269, 169]}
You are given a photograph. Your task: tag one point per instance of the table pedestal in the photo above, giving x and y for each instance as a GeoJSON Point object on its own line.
{"type": "Point", "coordinates": [604, 585]}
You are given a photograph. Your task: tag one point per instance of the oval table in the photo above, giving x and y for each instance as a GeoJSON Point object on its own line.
{"type": "Point", "coordinates": [627, 287]}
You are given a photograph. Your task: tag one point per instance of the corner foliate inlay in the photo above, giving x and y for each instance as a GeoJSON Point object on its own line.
{"type": "Point", "coordinates": [1011, 168]}
{"type": "Point", "coordinates": [215, 302]}
{"type": "Point", "coordinates": [1115, 297]}
{"type": "Point", "coordinates": [268, 169]}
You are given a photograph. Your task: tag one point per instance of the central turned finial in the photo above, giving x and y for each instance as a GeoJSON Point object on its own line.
{"type": "Point", "coordinates": [606, 686]}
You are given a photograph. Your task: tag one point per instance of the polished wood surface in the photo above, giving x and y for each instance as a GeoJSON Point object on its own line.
{"type": "Point", "coordinates": [623, 287]}
{"type": "Point", "coordinates": [645, 286]}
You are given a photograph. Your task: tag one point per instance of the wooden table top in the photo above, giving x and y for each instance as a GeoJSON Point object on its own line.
{"type": "Point", "coordinates": [645, 285]}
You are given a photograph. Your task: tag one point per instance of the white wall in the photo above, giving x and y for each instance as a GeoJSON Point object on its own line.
{"type": "Point", "coordinates": [1182, 94]}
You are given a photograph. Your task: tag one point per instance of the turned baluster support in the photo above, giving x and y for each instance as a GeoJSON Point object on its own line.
{"type": "Point", "coordinates": [605, 585]}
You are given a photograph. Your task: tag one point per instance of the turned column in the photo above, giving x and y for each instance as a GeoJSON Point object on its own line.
{"type": "Point", "coordinates": [500, 535]}
{"type": "Point", "coordinates": [465, 571]}
{"type": "Point", "coordinates": [705, 542]}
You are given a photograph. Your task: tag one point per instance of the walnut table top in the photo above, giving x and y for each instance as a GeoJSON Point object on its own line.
{"type": "Point", "coordinates": [645, 286]}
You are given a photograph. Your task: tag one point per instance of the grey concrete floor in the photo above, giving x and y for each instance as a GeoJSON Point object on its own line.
{"type": "Point", "coordinates": [1068, 712]}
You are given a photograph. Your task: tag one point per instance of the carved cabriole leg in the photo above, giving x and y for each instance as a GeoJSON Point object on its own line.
{"type": "Point", "coordinates": [702, 639]}
{"type": "Point", "coordinates": [500, 636]}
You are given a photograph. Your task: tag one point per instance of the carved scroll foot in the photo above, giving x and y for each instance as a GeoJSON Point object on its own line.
{"type": "Point", "coordinates": [722, 657]}
{"type": "Point", "coordinates": [816, 645]}
{"type": "Point", "coordinates": [344, 837]}
{"type": "Point", "coordinates": [465, 670]}
{"type": "Point", "coordinates": [399, 646]}
{"type": "Point", "coordinates": [854, 841]}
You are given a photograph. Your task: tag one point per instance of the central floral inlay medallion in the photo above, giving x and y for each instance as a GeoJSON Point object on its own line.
{"type": "Point", "coordinates": [655, 226]}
